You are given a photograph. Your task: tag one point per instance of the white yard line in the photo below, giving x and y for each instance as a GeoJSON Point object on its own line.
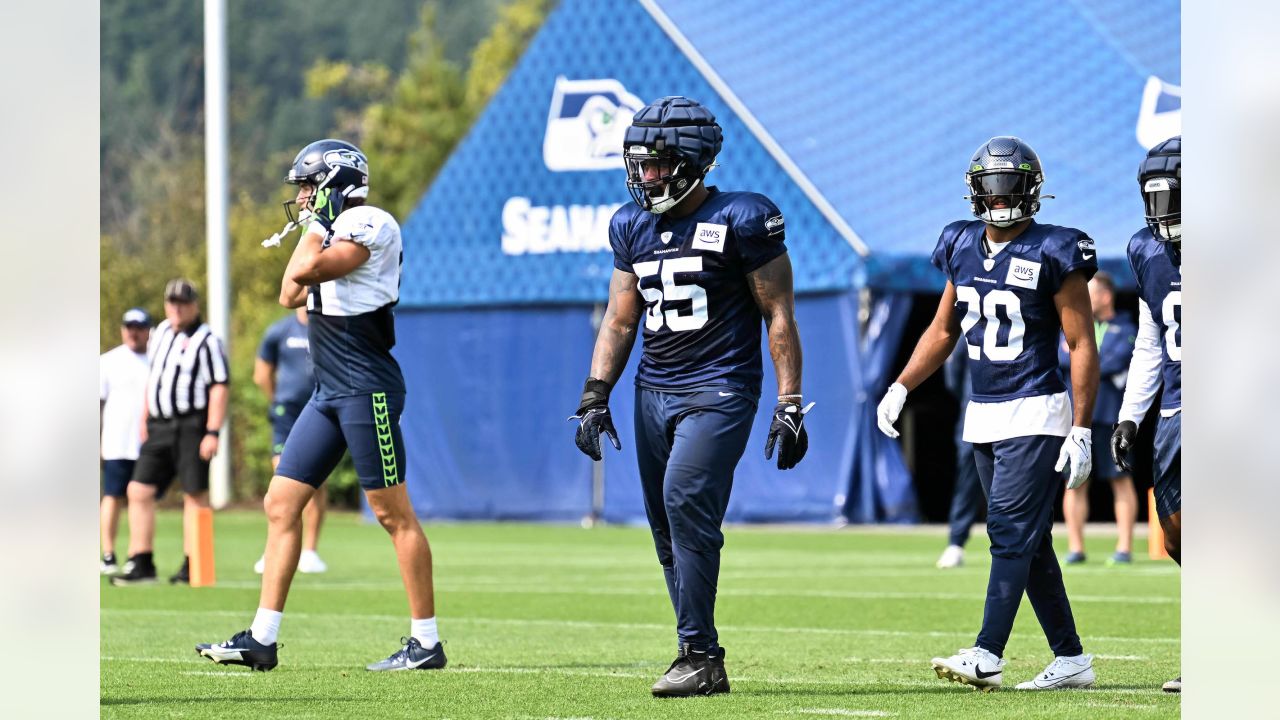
{"type": "Point", "coordinates": [655, 591]}
{"type": "Point", "coordinates": [623, 674]}
{"type": "Point", "coordinates": [594, 625]}
{"type": "Point", "coordinates": [841, 712]}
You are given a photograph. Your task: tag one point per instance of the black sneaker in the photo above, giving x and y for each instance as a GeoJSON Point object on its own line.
{"type": "Point", "coordinates": [109, 566]}
{"type": "Point", "coordinates": [412, 656]}
{"type": "Point", "coordinates": [241, 649]}
{"type": "Point", "coordinates": [694, 672]}
{"type": "Point", "coordinates": [183, 576]}
{"type": "Point", "coordinates": [138, 570]}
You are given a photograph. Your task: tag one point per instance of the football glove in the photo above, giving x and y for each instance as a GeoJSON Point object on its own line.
{"type": "Point", "coordinates": [1076, 452]}
{"type": "Point", "coordinates": [890, 407]}
{"type": "Point", "coordinates": [1122, 440]}
{"type": "Point", "coordinates": [593, 418]}
{"type": "Point", "coordinates": [788, 434]}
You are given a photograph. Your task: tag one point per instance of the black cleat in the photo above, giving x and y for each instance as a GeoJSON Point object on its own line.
{"type": "Point", "coordinates": [183, 576]}
{"type": "Point", "coordinates": [1173, 686]}
{"type": "Point", "coordinates": [241, 649]}
{"type": "Point", "coordinates": [138, 570]}
{"type": "Point", "coordinates": [694, 672]}
{"type": "Point", "coordinates": [412, 656]}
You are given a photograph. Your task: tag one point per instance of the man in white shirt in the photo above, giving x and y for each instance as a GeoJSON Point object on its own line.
{"type": "Point", "coordinates": [122, 379]}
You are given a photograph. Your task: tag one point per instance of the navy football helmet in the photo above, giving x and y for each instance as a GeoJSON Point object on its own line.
{"type": "Point", "coordinates": [336, 170]}
{"type": "Point", "coordinates": [1160, 178]}
{"type": "Point", "coordinates": [671, 145]}
{"type": "Point", "coordinates": [1004, 167]}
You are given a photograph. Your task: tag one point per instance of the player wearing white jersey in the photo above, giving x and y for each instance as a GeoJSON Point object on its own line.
{"type": "Point", "coordinates": [346, 270]}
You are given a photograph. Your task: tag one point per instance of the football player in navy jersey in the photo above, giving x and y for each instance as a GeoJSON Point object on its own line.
{"type": "Point", "coordinates": [1012, 283]}
{"type": "Point", "coordinates": [1155, 253]}
{"type": "Point", "coordinates": [702, 268]}
{"type": "Point", "coordinates": [346, 271]}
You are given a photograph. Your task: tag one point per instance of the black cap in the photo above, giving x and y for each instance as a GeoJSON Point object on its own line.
{"type": "Point", "coordinates": [180, 290]}
{"type": "Point", "coordinates": [136, 317]}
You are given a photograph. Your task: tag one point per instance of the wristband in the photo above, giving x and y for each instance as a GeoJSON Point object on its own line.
{"type": "Point", "coordinates": [594, 392]}
{"type": "Point", "coordinates": [795, 398]}
{"type": "Point", "coordinates": [214, 433]}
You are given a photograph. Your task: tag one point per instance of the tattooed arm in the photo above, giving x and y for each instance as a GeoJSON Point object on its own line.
{"type": "Point", "coordinates": [618, 328]}
{"type": "Point", "coordinates": [771, 287]}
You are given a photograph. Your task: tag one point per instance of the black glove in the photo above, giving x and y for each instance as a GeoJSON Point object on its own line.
{"type": "Point", "coordinates": [1122, 439]}
{"type": "Point", "coordinates": [788, 433]}
{"type": "Point", "coordinates": [593, 418]}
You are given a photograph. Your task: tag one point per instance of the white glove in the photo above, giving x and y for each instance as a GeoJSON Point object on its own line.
{"type": "Point", "coordinates": [890, 406]}
{"type": "Point", "coordinates": [1078, 451]}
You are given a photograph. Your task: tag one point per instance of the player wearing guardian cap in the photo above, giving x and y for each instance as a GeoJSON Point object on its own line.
{"type": "Point", "coordinates": [346, 270]}
{"type": "Point", "coordinates": [703, 268]}
{"type": "Point", "coordinates": [1012, 283]}
{"type": "Point", "coordinates": [1155, 253]}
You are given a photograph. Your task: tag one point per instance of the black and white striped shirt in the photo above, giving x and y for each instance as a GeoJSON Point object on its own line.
{"type": "Point", "coordinates": [183, 368]}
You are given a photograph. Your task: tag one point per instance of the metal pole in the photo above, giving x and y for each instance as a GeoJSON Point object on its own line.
{"type": "Point", "coordinates": [596, 516]}
{"type": "Point", "coordinates": [215, 164]}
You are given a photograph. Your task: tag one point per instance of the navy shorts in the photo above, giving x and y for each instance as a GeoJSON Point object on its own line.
{"type": "Point", "coordinates": [1104, 467]}
{"type": "Point", "coordinates": [367, 425]}
{"type": "Point", "coordinates": [283, 416]}
{"type": "Point", "coordinates": [115, 476]}
{"type": "Point", "coordinates": [1168, 466]}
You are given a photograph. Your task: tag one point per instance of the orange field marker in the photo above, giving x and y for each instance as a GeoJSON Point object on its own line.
{"type": "Point", "coordinates": [1155, 533]}
{"type": "Point", "coordinates": [201, 546]}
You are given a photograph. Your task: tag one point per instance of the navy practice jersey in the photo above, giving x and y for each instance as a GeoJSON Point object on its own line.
{"type": "Point", "coordinates": [286, 347]}
{"type": "Point", "coordinates": [701, 323]}
{"type": "Point", "coordinates": [1158, 267]}
{"type": "Point", "coordinates": [1009, 319]}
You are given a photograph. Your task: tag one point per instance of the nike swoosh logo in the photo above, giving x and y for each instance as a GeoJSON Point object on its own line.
{"type": "Point", "coordinates": [1086, 256]}
{"type": "Point", "coordinates": [412, 665]}
{"type": "Point", "coordinates": [682, 678]}
{"type": "Point", "coordinates": [725, 394]}
{"type": "Point", "coordinates": [984, 675]}
{"type": "Point", "coordinates": [1060, 680]}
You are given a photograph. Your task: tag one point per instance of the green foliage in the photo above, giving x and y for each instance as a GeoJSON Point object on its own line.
{"type": "Point", "coordinates": [497, 54]}
{"type": "Point", "coordinates": [409, 135]}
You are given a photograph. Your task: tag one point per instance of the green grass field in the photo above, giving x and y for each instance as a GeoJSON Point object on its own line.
{"type": "Point", "coordinates": [560, 622]}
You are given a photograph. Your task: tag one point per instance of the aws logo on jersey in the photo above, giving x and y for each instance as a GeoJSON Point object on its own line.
{"type": "Point", "coordinates": [709, 237]}
{"type": "Point", "coordinates": [586, 124]}
{"type": "Point", "coordinates": [1023, 273]}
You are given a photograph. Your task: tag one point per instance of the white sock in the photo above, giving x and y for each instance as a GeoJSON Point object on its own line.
{"type": "Point", "coordinates": [1077, 659]}
{"type": "Point", "coordinates": [425, 631]}
{"type": "Point", "coordinates": [266, 625]}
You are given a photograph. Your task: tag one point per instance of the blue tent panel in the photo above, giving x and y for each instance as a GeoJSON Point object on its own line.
{"type": "Point", "coordinates": [881, 103]}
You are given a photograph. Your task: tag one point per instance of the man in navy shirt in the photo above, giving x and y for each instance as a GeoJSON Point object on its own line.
{"type": "Point", "coordinates": [1012, 284]}
{"type": "Point", "coordinates": [1114, 335]}
{"type": "Point", "coordinates": [284, 373]}
{"type": "Point", "coordinates": [1155, 253]}
{"type": "Point", "coordinates": [702, 268]}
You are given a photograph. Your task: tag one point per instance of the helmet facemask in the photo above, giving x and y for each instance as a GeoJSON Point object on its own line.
{"type": "Point", "coordinates": [671, 178]}
{"type": "Point", "coordinates": [1162, 201]}
{"type": "Point", "coordinates": [1021, 189]}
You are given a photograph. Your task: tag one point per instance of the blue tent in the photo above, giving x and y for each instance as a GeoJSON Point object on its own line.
{"type": "Point", "coordinates": [855, 118]}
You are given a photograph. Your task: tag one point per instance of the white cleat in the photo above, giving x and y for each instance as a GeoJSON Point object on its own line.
{"type": "Point", "coordinates": [952, 557]}
{"type": "Point", "coordinates": [972, 666]}
{"type": "Point", "coordinates": [261, 565]}
{"type": "Point", "coordinates": [1063, 672]}
{"type": "Point", "coordinates": [310, 562]}
{"type": "Point", "coordinates": [1173, 686]}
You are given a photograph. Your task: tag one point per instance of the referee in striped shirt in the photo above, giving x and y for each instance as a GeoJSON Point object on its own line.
{"type": "Point", "coordinates": [186, 404]}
